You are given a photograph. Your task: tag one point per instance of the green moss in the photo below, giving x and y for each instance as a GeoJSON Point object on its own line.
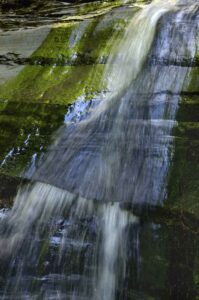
{"type": "Point", "coordinates": [72, 58]}
{"type": "Point", "coordinates": [183, 188]}
{"type": "Point", "coordinates": [25, 130]}
{"type": "Point", "coordinates": [154, 260]}
{"type": "Point", "coordinates": [189, 108]}
{"type": "Point", "coordinates": [69, 64]}
{"type": "Point", "coordinates": [193, 80]}
{"type": "Point", "coordinates": [98, 6]}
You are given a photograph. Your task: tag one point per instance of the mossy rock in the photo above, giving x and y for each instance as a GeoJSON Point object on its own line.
{"type": "Point", "coordinates": [183, 186]}
{"type": "Point", "coordinates": [68, 65]}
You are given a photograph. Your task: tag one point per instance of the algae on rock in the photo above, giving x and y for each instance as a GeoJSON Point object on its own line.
{"type": "Point", "coordinates": [67, 66]}
{"type": "Point", "coordinates": [183, 187]}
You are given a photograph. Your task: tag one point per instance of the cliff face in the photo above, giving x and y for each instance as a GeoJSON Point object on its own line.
{"type": "Point", "coordinates": [65, 60]}
{"type": "Point", "coordinates": [6, 4]}
{"type": "Point", "coordinates": [36, 4]}
{"type": "Point", "coordinates": [53, 57]}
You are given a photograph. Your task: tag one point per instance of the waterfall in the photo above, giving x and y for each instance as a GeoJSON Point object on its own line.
{"type": "Point", "coordinates": [39, 210]}
{"type": "Point", "coordinates": [124, 65]}
{"type": "Point", "coordinates": [67, 229]}
{"type": "Point", "coordinates": [126, 141]}
{"type": "Point", "coordinates": [114, 224]}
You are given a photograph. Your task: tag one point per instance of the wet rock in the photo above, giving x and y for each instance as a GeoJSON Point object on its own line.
{"type": "Point", "coordinates": [16, 47]}
{"type": "Point", "coordinates": [8, 190]}
{"type": "Point", "coordinates": [13, 4]}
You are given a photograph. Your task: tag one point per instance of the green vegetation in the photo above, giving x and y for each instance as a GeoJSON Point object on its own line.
{"type": "Point", "coordinates": [184, 177]}
{"type": "Point", "coordinates": [69, 64]}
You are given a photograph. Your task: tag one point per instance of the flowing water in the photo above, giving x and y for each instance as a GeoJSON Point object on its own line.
{"type": "Point", "coordinates": [69, 234]}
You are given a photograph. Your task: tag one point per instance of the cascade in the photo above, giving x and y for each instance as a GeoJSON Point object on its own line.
{"type": "Point", "coordinates": [68, 235]}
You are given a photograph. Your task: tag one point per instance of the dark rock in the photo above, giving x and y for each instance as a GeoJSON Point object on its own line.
{"type": "Point", "coordinates": [8, 189]}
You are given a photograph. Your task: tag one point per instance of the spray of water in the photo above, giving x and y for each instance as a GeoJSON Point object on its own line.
{"type": "Point", "coordinates": [125, 64]}
{"type": "Point", "coordinates": [131, 136]}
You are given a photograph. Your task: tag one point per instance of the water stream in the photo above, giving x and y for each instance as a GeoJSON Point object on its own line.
{"type": "Point", "coordinates": [68, 235]}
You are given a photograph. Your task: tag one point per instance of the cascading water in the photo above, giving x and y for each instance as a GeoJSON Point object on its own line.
{"type": "Point", "coordinates": [131, 127]}
{"type": "Point", "coordinates": [66, 236]}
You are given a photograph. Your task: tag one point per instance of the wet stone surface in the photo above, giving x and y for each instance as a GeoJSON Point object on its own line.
{"type": "Point", "coordinates": [58, 245]}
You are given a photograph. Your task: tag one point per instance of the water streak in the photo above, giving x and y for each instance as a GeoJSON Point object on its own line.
{"type": "Point", "coordinates": [125, 65]}
{"type": "Point", "coordinates": [72, 221]}
{"type": "Point", "coordinates": [122, 150]}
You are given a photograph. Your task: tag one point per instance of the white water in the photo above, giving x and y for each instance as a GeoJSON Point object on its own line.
{"type": "Point", "coordinates": [38, 205]}
{"type": "Point", "coordinates": [124, 66]}
{"type": "Point", "coordinates": [122, 151]}
{"type": "Point", "coordinates": [114, 224]}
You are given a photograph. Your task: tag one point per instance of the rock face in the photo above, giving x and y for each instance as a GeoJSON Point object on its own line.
{"type": "Point", "coordinates": [17, 4]}
{"type": "Point", "coordinates": [12, 4]}
{"type": "Point", "coordinates": [135, 127]}
{"type": "Point", "coordinates": [54, 242]}
{"type": "Point", "coordinates": [68, 65]}
{"type": "Point", "coordinates": [8, 190]}
{"type": "Point", "coordinates": [38, 4]}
